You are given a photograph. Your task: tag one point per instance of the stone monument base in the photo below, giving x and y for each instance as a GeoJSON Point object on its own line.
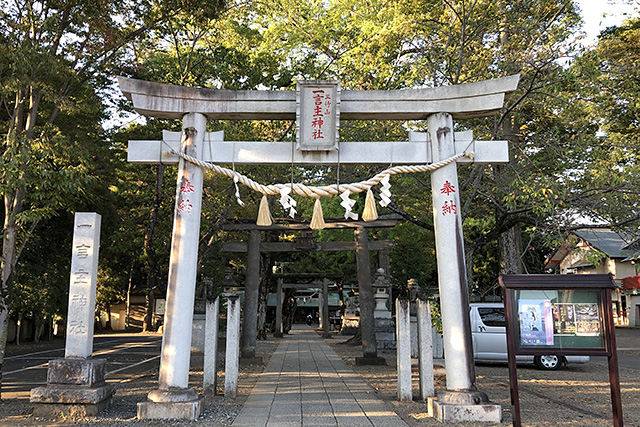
{"type": "Point", "coordinates": [75, 388]}
{"type": "Point", "coordinates": [451, 407]}
{"type": "Point", "coordinates": [190, 410]}
{"type": "Point", "coordinates": [69, 410]}
{"type": "Point", "coordinates": [385, 328]}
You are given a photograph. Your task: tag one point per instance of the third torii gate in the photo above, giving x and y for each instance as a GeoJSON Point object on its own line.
{"type": "Point", "coordinates": [318, 144]}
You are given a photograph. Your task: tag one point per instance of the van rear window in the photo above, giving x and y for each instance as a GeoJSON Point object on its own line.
{"type": "Point", "coordinates": [493, 316]}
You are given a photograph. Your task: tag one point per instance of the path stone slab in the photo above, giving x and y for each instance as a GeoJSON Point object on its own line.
{"type": "Point", "coordinates": [307, 384]}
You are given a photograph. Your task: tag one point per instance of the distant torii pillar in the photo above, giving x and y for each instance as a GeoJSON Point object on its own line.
{"type": "Point", "coordinates": [251, 294]}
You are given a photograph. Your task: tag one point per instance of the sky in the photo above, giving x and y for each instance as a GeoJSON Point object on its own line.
{"type": "Point", "coordinates": [601, 14]}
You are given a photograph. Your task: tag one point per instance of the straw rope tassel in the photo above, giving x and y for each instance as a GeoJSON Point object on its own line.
{"type": "Point", "coordinates": [264, 216]}
{"type": "Point", "coordinates": [370, 213]}
{"type": "Point", "coordinates": [317, 221]}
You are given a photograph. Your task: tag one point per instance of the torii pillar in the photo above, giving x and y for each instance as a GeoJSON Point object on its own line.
{"type": "Point", "coordinates": [173, 399]}
{"type": "Point", "coordinates": [461, 401]}
{"type": "Point", "coordinates": [251, 294]}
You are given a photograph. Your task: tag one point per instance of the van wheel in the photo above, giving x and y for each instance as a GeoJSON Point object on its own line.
{"type": "Point", "coordinates": [548, 362]}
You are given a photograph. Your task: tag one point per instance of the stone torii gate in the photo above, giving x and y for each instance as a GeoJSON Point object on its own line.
{"type": "Point", "coordinates": [439, 106]}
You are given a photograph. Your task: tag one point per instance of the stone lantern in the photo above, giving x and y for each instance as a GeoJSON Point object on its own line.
{"type": "Point", "coordinates": [228, 282]}
{"type": "Point", "coordinates": [384, 324]}
{"type": "Point", "coordinates": [382, 295]}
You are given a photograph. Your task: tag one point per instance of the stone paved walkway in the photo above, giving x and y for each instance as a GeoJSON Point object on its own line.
{"type": "Point", "coordinates": [307, 384]}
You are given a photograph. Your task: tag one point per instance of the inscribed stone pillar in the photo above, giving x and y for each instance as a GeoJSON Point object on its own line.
{"type": "Point", "coordinates": [82, 286]}
{"type": "Point", "coordinates": [76, 384]}
{"type": "Point", "coordinates": [252, 280]}
{"type": "Point", "coordinates": [233, 347]}
{"type": "Point", "coordinates": [460, 368]}
{"type": "Point", "coordinates": [210, 368]}
{"type": "Point", "coordinates": [403, 334]}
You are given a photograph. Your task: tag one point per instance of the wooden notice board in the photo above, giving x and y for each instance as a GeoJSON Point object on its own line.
{"type": "Point", "coordinates": [561, 315]}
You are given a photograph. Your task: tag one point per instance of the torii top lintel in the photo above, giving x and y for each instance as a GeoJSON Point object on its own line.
{"type": "Point", "coordinates": [469, 100]}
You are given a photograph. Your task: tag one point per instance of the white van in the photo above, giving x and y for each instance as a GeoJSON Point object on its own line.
{"type": "Point", "coordinates": [489, 336]}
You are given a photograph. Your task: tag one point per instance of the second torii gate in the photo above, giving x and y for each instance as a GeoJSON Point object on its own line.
{"type": "Point", "coordinates": [360, 245]}
{"type": "Point", "coordinates": [439, 106]}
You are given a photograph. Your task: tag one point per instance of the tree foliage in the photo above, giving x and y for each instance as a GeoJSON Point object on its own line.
{"type": "Point", "coordinates": [572, 127]}
{"type": "Point", "coordinates": [55, 60]}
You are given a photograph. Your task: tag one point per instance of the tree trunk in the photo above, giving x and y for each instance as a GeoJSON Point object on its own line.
{"type": "Point", "coordinates": [510, 247]}
{"type": "Point", "coordinates": [19, 328]}
{"type": "Point", "coordinates": [153, 270]}
{"type": "Point", "coordinates": [468, 255]}
{"type": "Point", "coordinates": [356, 339]}
{"type": "Point", "coordinates": [13, 199]}
{"type": "Point", "coordinates": [148, 316]}
{"type": "Point", "coordinates": [7, 264]}
{"type": "Point", "coordinates": [127, 317]}
{"type": "Point", "coordinates": [107, 325]}
{"type": "Point", "coordinates": [37, 331]}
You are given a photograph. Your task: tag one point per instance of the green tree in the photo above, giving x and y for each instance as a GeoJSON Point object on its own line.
{"type": "Point", "coordinates": [510, 211]}
{"type": "Point", "coordinates": [388, 45]}
{"type": "Point", "coordinates": [54, 56]}
{"type": "Point", "coordinates": [610, 77]}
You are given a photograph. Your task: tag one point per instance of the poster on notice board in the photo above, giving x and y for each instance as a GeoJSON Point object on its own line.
{"type": "Point", "coordinates": [536, 322]}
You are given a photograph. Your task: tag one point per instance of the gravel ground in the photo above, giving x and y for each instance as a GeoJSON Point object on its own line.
{"type": "Point", "coordinates": [578, 395]}
{"type": "Point", "coordinates": [16, 412]}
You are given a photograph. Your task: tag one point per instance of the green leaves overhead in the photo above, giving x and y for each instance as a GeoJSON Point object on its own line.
{"type": "Point", "coordinates": [572, 126]}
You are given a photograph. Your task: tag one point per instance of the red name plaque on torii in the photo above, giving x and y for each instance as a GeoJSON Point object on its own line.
{"type": "Point", "coordinates": [317, 115]}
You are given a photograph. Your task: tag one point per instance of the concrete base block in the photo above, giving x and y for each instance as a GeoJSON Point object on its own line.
{"type": "Point", "coordinates": [449, 412]}
{"type": "Point", "coordinates": [278, 334]}
{"type": "Point", "coordinates": [70, 401]}
{"type": "Point", "coordinates": [75, 388]}
{"type": "Point", "coordinates": [171, 410]}
{"type": "Point", "coordinates": [59, 394]}
{"type": "Point", "coordinates": [362, 361]}
{"type": "Point", "coordinates": [84, 372]}
{"type": "Point", "coordinates": [62, 410]}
